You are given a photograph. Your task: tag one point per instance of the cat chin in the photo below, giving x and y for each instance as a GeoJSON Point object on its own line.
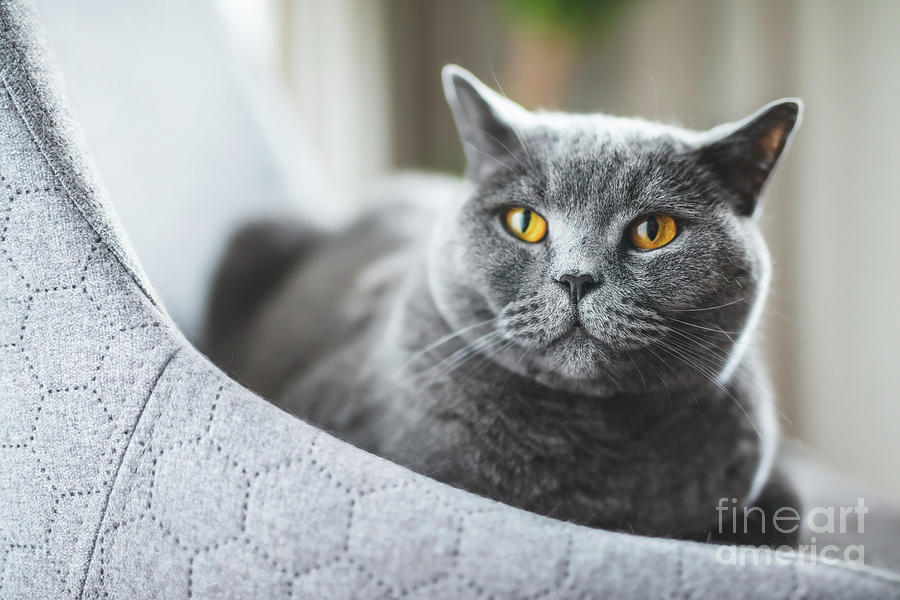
{"type": "Point", "coordinates": [577, 358]}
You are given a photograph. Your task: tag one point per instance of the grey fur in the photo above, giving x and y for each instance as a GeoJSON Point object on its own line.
{"type": "Point", "coordinates": [433, 337]}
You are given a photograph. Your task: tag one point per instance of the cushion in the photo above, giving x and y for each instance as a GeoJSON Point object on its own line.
{"type": "Point", "coordinates": [132, 467]}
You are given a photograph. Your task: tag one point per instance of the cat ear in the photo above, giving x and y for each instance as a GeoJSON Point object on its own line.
{"type": "Point", "coordinates": [487, 122]}
{"type": "Point", "coordinates": [744, 154]}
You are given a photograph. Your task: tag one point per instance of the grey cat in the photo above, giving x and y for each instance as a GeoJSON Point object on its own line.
{"type": "Point", "coordinates": [566, 330]}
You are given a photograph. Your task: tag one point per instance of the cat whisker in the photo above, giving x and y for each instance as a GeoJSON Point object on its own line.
{"type": "Point", "coordinates": [635, 325]}
{"type": "Point", "coordinates": [641, 373]}
{"type": "Point", "coordinates": [709, 337]}
{"type": "Point", "coordinates": [638, 311]}
{"type": "Point", "coordinates": [424, 290]}
{"type": "Point", "coordinates": [443, 340]}
{"type": "Point", "coordinates": [711, 360]}
{"type": "Point", "coordinates": [616, 380]}
{"type": "Point", "coordinates": [459, 357]}
{"type": "Point", "coordinates": [531, 164]}
{"type": "Point", "coordinates": [660, 378]}
{"type": "Point", "coordinates": [714, 330]}
{"type": "Point", "coordinates": [526, 149]}
{"type": "Point", "coordinates": [493, 158]}
{"type": "Point", "coordinates": [707, 371]}
{"type": "Point", "coordinates": [681, 379]}
{"type": "Point", "coordinates": [686, 359]}
{"type": "Point", "coordinates": [721, 353]}
{"type": "Point", "coordinates": [450, 362]}
{"type": "Point", "coordinates": [488, 355]}
{"type": "Point", "coordinates": [733, 302]}
{"type": "Point", "coordinates": [737, 374]}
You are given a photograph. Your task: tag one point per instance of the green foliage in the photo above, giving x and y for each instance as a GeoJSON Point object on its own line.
{"type": "Point", "coordinates": [574, 17]}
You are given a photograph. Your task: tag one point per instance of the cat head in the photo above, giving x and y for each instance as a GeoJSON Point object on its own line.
{"type": "Point", "coordinates": [596, 251]}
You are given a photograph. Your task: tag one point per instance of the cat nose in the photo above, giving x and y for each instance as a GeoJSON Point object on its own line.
{"type": "Point", "coordinates": [578, 285]}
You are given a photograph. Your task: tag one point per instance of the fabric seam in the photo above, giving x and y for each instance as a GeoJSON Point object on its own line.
{"type": "Point", "coordinates": [61, 180]}
{"type": "Point", "coordinates": [115, 477]}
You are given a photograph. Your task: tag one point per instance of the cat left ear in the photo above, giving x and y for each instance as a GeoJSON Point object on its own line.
{"type": "Point", "coordinates": [487, 122]}
{"type": "Point", "coordinates": [744, 154]}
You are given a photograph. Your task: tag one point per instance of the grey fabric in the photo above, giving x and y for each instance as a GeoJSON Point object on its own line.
{"type": "Point", "coordinates": [132, 468]}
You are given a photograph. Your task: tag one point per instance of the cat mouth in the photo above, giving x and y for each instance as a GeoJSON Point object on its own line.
{"type": "Point", "coordinates": [578, 329]}
{"type": "Point", "coordinates": [577, 353]}
{"type": "Point", "coordinates": [578, 332]}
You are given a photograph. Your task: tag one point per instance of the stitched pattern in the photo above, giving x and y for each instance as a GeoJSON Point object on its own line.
{"type": "Point", "coordinates": [131, 468]}
{"type": "Point", "coordinates": [67, 406]}
{"type": "Point", "coordinates": [296, 514]}
{"type": "Point", "coordinates": [67, 399]}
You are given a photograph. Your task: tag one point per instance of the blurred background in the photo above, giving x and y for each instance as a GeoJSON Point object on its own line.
{"type": "Point", "coordinates": [253, 105]}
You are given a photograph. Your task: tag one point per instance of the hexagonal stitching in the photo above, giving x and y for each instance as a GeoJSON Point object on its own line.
{"type": "Point", "coordinates": [14, 266]}
{"type": "Point", "coordinates": [48, 123]}
{"type": "Point", "coordinates": [54, 514]}
{"type": "Point", "coordinates": [38, 188]}
{"type": "Point", "coordinates": [457, 544]}
{"type": "Point", "coordinates": [102, 359]}
{"type": "Point", "coordinates": [29, 304]}
{"type": "Point", "coordinates": [196, 439]}
{"type": "Point", "coordinates": [471, 584]}
{"type": "Point", "coordinates": [104, 561]}
{"type": "Point", "coordinates": [436, 579]}
{"type": "Point", "coordinates": [567, 562]}
{"type": "Point", "coordinates": [566, 555]}
{"type": "Point", "coordinates": [46, 188]}
{"type": "Point", "coordinates": [103, 531]}
{"type": "Point", "coordinates": [39, 460]}
{"type": "Point", "coordinates": [297, 575]}
{"type": "Point", "coordinates": [23, 330]}
{"type": "Point", "coordinates": [277, 563]}
{"type": "Point", "coordinates": [3, 559]}
{"type": "Point", "coordinates": [23, 444]}
{"type": "Point", "coordinates": [5, 229]}
{"type": "Point", "coordinates": [325, 470]}
{"type": "Point", "coordinates": [26, 302]}
{"type": "Point", "coordinates": [176, 538]}
{"type": "Point", "coordinates": [113, 450]}
{"type": "Point", "coordinates": [252, 548]}
{"type": "Point", "coordinates": [83, 282]}
{"type": "Point", "coordinates": [13, 193]}
{"type": "Point", "coordinates": [368, 573]}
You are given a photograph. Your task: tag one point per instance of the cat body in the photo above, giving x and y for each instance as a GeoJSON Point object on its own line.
{"type": "Point", "coordinates": [576, 375]}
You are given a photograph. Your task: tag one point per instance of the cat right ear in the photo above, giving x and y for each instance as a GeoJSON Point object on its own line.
{"type": "Point", "coordinates": [487, 123]}
{"type": "Point", "coordinates": [745, 154]}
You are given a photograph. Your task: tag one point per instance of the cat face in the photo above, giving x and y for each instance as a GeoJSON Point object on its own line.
{"type": "Point", "coordinates": [596, 251]}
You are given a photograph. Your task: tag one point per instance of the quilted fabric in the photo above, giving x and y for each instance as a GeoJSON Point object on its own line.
{"type": "Point", "coordinates": [130, 467]}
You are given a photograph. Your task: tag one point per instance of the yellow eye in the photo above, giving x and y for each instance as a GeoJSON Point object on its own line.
{"type": "Point", "coordinates": [526, 224]}
{"type": "Point", "coordinates": [653, 232]}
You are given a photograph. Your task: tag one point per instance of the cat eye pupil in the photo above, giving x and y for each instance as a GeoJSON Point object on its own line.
{"type": "Point", "coordinates": [524, 220]}
{"type": "Point", "coordinates": [652, 232]}
{"type": "Point", "coordinates": [651, 228]}
{"type": "Point", "coordinates": [525, 224]}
